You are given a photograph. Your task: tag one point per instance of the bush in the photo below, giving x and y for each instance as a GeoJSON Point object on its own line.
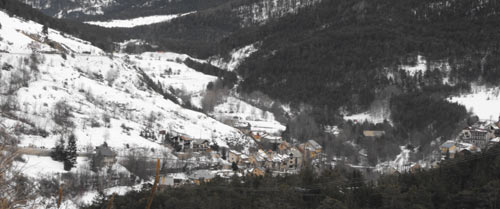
{"type": "Point", "coordinates": [62, 114]}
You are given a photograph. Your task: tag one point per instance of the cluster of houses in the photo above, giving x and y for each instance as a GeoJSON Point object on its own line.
{"type": "Point", "coordinates": [285, 159]}
{"type": "Point", "coordinates": [273, 155]}
{"type": "Point", "coordinates": [481, 135]}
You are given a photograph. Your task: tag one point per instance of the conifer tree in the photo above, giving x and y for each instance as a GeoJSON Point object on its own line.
{"type": "Point", "coordinates": [58, 153]}
{"type": "Point", "coordinates": [70, 158]}
{"type": "Point", "coordinates": [45, 30]}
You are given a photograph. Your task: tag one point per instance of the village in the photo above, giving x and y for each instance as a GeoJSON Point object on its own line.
{"type": "Point", "coordinates": [197, 160]}
{"type": "Point", "coordinates": [480, 136]}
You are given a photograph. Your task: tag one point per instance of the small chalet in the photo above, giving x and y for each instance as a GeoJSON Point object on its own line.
{"type": "Point", "coordinates": [234, 156]}
{"type": "Point", "coordinates": [415, 168]}
{"type": "Point", "coordinates": [448, 148]}
{"type": "Point", "coordinates": [108, 156]}
{"type": "Point", "coordinates": [295, 159]}
{"type": "Point", "coordinates": [181, 143]}
{"type": "Point", "coordinates": [272, 139]}
{"type": "Point", "coordinates": [173, 179]}
{"type": "Point", "coordinates": [244, 160]}
{"type": "Point", "coordinates": [200, 176]}
{"type": "Point", "coordinates": [258, 171]}
{"type": "Point", "coordinates": [200, 145]}
{"type": "Point", "coordinates": [258, 159]}
{"type": "Point", "coordinates": [283, 147]}
{"type": "Point", "coordinates": [311, 149]}
{"type": "Point", "coordinates": [372, 133]}
{"type": "Point", "coordinates": [245, 128]}
{"type": "Point", "coordinates": [464, 153]}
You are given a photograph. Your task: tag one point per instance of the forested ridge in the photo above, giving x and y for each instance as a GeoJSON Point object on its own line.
{"type": "Point", "coordinates": [339, 53]}
{"type": "Point", "coordinates": [470, 181]}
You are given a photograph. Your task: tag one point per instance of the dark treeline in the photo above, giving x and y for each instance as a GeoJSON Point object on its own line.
{"type": "Point", "coordinates": [227, 78]}
{"type": "Point", "coordinates": [470, 181]}
{"type": "Point", "coordinates": [196, 34]}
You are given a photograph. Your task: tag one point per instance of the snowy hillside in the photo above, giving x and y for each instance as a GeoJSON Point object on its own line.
{"type": "Point", "coordinates": [19, 36]}
{"type": "Point", "coordinates": [107, 98]}
{"type": "Point", "coordinates": [130, 23]}
{"type": "Point", "coordinates": [233, 109]}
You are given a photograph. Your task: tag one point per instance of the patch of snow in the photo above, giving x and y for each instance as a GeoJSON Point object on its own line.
{"type": "Point", "coordinates": [366, 116]}
{"type": "Point", "coordinates": [262, 11]}
{"type": "Point", "coordinates": [238, 112]}
{"type": "Point", "coordinates": [422, 65]}
{"type": "Point", "coordinates": [130, 23]}
{"type": "Point", "coordinates": [237, 57]}
{"type": "Point", "coordinates": [482, 101]}
{"type": "Point", "coordinates": [37, 166]}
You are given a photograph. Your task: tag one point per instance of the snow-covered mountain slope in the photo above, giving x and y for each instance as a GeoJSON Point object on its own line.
{"type": "Point", "coordinates": [130, 23]}
{"type": "Point", "coordinates": [107, 97]}
{"type": "Point", "coordinates": [20, 36]}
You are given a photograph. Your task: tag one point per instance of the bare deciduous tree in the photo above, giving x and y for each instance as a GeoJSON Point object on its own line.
{"type": "Point", "coordinates": [16, 191]}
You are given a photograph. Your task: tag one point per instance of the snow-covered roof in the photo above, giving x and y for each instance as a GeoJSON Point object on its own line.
{"type": "Point", "coordinates": [314, 144]}
{"type": "Point", "coordinates": [235, 152]}
{"type": "Point", "coordinates": [279, 157]}
{"type": "Point", "coordinates": [448, 144]}
{"type": "Point", "coordinates": [202, 174]}
{"type": "Point", "coordinates": [295, 153]}
{"type": "Point", "coordinates": [496, 139]}
{"type": "Point", "coordinates": [181, 176]}
{"type": "Point", "coordinates": [199, 141]}
{"type": "Point", "coordinates": [105, 151]}
{"type": "Point", "coordinates": [260, 156]}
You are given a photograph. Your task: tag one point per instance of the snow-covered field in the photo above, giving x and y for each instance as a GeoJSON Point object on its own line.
{"type": "Point", "coordinates": [130, 23]}
{"type": "Point", "coordinates": [239, 111]}
{"type": "Point", "coordinates": [482, 101]}
{"type": "Point", "coordinates": [168, 69]}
